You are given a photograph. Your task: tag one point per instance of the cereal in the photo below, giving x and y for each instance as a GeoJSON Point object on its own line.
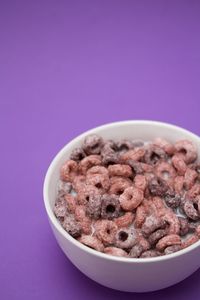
{"type": "Point", "coordinates": [139, 167]}
{"type": "Point", "coordinates": [106, 231]}
{"type": "Point", "coordinates": [172, 249]}
{"type": "Point", "coordinates": [155, 236]}
{"type": "Point", "coordinates": [188, 149]}
{"type": "Point", "coordinates": [136, 251]}
{"type": "Point", "coordinates": [120, 170]}
{"type": "Point", "coordinates": [71, 203]}
{"type": "Point", "coordinates": [124, 145]}
{"type": "Point", "coordinates": [91, 242]}
{"type": "Point", "coordinates": [130, 198]}
{"type": "Point", "coordinates": [178, 184]}
{"type": "Point", "coordinates": [189, 178]}
{"type": "Point", "coordinates": [126, 238]}
{"type": "Point", "coordinates": [110, 206]}
{"type": "Point", "coordinates": [69, 170]}
{"type": "Point", "coordinates": [84, 194]}
{"type": "Point", "coordinates": [152, 223]}
{"type": "Point", "coordinates": [140, 216]}
{"type": "Point", "coordinates": [168, 240]}
{"type": "Point", "coordinates": [157, 186]}
{"type": "Point", "coordinates": [150, 253]}
{"type": "Point", "coordinates": [115, 251]}
{"type": "Point", "coordinates": [77, 154]}
{"type": "Point", "coordinates": [154, 154]}
{"type": "Point", "coordinates": [88, 162]}
{"type": "Point", "coordinates": [98, 176]}
{"type": "Point", "coordinates": [136, 155]}
{"type": "Point", "coordinates": [93, 206]}
{"type": "Point", "coordinates": [165, 171]}
{"type": "Point", "coordinates": [60, 207]}
{"type": "Point", "coordinates": [165, 145]}
{"type": "Point", "coordinates": [184, 226]}
{"type": "Point", "coordinates": [72, 226]}
{"type": "Point", "coordinates": [64, 188]}
{"type": "Point", "coordinates": [125, 220]}
{"type": "Point", "coordinates": [140, 182]}
{"type": "Point", "coordinates": [84, 221]}
{"type": "Point", "coordinates": [92, 144]}
{"type": "Point", "coordinates": [109, 154]}
{"type": "Point", "coordinates": [118, 185]}
{"type": "Point", "coordinates": [189, 241]}
{"type": "Point", "coordinates": [191, 210]}
{"type": "Point", "coordinates": [172, 199]}
{"type": "Point", "coordinates": [179, 163]}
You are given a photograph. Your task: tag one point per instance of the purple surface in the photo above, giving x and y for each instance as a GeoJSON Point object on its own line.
{"type": "Point", "coordinates": [65, 67]}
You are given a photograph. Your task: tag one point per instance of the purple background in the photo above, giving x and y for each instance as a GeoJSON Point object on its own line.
{"type": "Point", "coordinates": [65, 67]}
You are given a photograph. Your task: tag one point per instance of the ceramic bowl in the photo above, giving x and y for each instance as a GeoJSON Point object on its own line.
{"type": "Point", "coordinates": [125, 274]}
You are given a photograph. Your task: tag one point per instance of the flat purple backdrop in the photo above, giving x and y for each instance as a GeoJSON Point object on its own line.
{"type": "Point", "coordinates": [65, 67]}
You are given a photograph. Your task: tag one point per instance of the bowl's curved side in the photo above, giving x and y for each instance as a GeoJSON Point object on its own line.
{"type": "Point", "coordinates": [130, 276]}
{"type": "Point", "coordinates": [121, 273]}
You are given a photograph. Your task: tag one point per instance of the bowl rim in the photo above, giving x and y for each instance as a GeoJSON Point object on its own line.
{"type": "Point", "coordinates": [83, 247]}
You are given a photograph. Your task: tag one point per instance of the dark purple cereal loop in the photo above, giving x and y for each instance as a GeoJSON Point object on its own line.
{"type": "Point", "coordinates": [153, 154]}
{"type": "Point", "coordinates": [77, 154]}
{"type": "Point", "coordinates": [126, 238]}
{"type": "Point", "coordinates": [72, 226]}
{"type": "Point", "coordinates": [93, 206]}
{"type": "Point", "coordinates": [92, 144]}
{"type": "Point", "coordinates": [136, 251]}
{"type": "Point", "coordinates": [110, 206]}
{"type": "Point", "coordinates": [172, 199]}
{"type": "Point", "coordinates": [191, 210]}
{"type": "Point", "coordinates": [157, 186]}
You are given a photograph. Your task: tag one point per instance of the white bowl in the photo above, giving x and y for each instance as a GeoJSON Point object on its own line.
{"type": "Point", "coordinates": [125, 274]}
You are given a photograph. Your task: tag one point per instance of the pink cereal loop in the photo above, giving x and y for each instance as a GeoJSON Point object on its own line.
{"type": "Point", "coordinates": [178, 184]}
{"type": "Point", "coordinates": [115, 251]}
{"type": "Point", "coordinates": [92, 242]}
{"type": "Point", "coordinates": [78, 182]}
{"type": "Point", "coordinates": [118, 185]}
{"type": "Point", "coordinates": [106, 231]}
{"type": "Point", "coordinates": [71, 202]}
{"type": "Point", "coordinates": [131, 198]}
{"type": "Point", "coordinates": [98, 176]}
{"type": "Point", "coordinates": [168, 240]}
{"type": "Point", "coordinates": [84, 221]}
{"type": "Point", "coordinates": [165, 171]}
{"type": "Point", "coordinates": [194, 191]}
{"type": "Point", "coordinates": [88, 162]}
{"type": "Point", "coordinates": [135, 154]}
{"type": "Point", "coordinates": [125, 220]}
{"type": "Point", "coordinates": [120, 170]}
{"type": "Point", "coordinates": [179, 163]}
{"type": "Point", "coordinates": [171, 219]}
{"type": "Point", "coordinates": [69, 170]}
{"type": "Point", "coordinates": [189, 178]}
{"type": "Point", "coordinates": [189, 241]}
{"type": "Point", "coordinates": [85, 192]}
{"type": "Point", "coordinates": [165, 145]}
{"type": "Point", "coordinates": [140, 216]}
{"type": "Point", "coordinates": [140, 182]}
{"type": "Point", "coordinates": [189, 148]}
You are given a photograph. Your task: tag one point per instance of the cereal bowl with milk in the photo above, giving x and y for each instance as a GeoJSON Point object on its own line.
{"type": "Point", "coordinates": [123, 202]}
